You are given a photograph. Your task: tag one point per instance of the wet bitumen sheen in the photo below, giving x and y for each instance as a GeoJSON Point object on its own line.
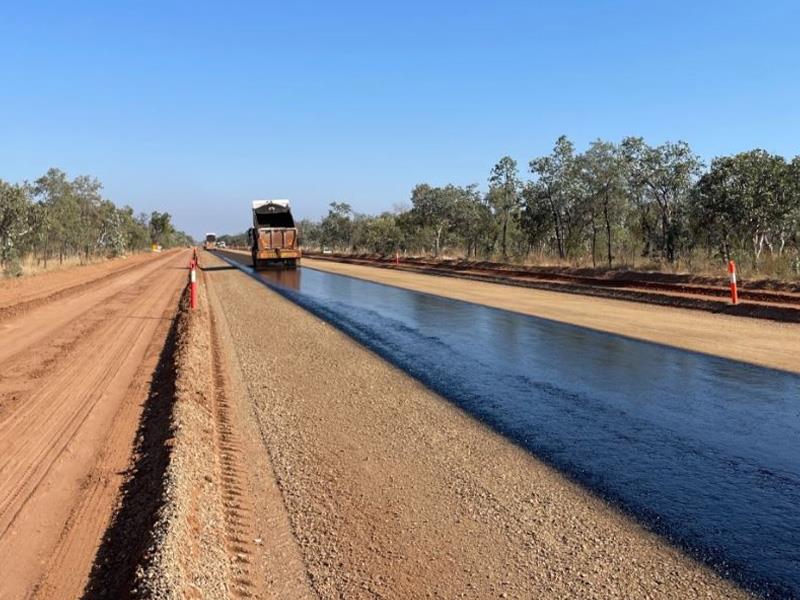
{"type": "Point", "coordinates": [703, 450]}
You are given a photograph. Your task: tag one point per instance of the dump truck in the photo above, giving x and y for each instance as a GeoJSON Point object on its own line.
{"type": "Point", "coordinates": [211, 241]}
{"type": "Point", "coordinates": [273, 238]}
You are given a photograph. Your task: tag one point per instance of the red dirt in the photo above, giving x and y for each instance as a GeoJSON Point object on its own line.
{"type": "Point", "coordinates": [74, 377]}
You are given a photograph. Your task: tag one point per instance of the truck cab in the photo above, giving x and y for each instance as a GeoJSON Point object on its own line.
{"type": "Point", "coordinates": [273, 237]}
{"type": "Point", "coordinates": [210, 241]}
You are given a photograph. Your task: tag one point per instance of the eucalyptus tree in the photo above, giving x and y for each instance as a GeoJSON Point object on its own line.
{"type": "Point", "coordinates": [555, 183]}
{"type": "Point", "coordinates": [56, 194]}
{"type": "Point", "coordinates": [746, 200]}
{"type": "Point", "coordinates": [337, 226]}
{"type": "Point", "coordinates": [504, 195]}
{"type": "Point", "coordinates": [161, 229]}
{"type": "Point", "coordinates": [665, 175]}
{"type": "Point", "coordinates": [535, 217]}
{"type": "Point", "coordinates": [434, 208]}
{"type": "Point", "coordinates": [14, 212]}
{"type": "Point", "coordinates": [602, 171]}
{"type": "Point", "coordinates": [473, 220]}
{"type": "Point", "coordinates": [383, 235]}
{"type": "Point", "coordinates": [632, 151]}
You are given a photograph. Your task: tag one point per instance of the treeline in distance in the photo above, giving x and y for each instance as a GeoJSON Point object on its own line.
{"type": "Point", "coordinates": [621, 204]}
{"type": "Point", "coordinates": [55, 218]}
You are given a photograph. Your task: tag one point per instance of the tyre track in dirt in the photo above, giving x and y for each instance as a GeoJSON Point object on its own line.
{"type": "Point", "coordinates": [208, 518]}
{"type": "Point", "coordinates": [52, 433]}
{"type": "Point", "coordinates": [65, 573]}
{"type": "Point", "coordinates": [26, 300]}
{"type": "Point", "coordinates": [40, 429]}
{"type": "Point", "coordinates": [262, 534]}
{"type": "Point", "coordinates": [22, 332]}
{"type": "Point", "coordinates": [232, 473]}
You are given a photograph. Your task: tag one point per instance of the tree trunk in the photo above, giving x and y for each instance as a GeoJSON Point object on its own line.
{"type": "Point", "coordinates": [608, 232]}
{"type": "Point", "coordinates": [505, 230]}
{"type": "Point", "coordinates": [665, 244]}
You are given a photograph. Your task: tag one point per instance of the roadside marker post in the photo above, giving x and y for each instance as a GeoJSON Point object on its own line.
{"type": "Point", "coordinates": [734, 291]}
{"type": "Point", "coordinates": [193, 287]}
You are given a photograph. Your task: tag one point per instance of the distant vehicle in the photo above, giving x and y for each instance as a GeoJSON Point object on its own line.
{"type": "Point", "coordinates": [326, 250]}
{"type": "Point", "coordinates": [211, 241]}
{"type": "Point", "coordinates": [273, 236]}
{"type": "Point", "coordinates": [221, 244]}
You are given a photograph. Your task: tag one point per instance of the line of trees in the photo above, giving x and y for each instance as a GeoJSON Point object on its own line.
{"type": "Point", "coordinates": [55, 218]}
{"type": "Point", "coordinates": [615, 204]}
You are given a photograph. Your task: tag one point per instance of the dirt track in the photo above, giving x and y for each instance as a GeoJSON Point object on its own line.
{"type": "Point", "coordinates": [75, 363]}
{"type": "Point", "coordinates": [757, 341]}
{"type": "Point", "coordinates": [392, 492]}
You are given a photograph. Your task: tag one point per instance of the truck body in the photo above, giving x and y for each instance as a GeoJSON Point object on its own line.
{"type": "Point", "coordinates": [273, 238]}
{"type": "Point", "coordinates": [211, 241]}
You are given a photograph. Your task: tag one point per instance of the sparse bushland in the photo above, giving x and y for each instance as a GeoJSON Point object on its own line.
{"type": "Point", "coordinates": [625, 205]}
{"type": "Point", "coordinates": [55, 220]}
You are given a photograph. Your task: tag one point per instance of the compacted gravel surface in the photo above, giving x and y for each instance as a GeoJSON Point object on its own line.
{"type": "Point", "coordinates": [392, 492]}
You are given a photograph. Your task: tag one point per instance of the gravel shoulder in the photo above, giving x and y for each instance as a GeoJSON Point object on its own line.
{"type": "Point", "coordinates": [393, 492]}
{"type": "Point", "coordinates": [219, 529]}
{"type": "Point", "coordinates": [765, 343]}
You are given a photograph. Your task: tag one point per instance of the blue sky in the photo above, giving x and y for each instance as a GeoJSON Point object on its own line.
{"type": "Point", "coordinates": [198, 108]}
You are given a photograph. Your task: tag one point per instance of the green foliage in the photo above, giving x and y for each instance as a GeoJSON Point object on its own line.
{"type": "Point", "coordinates": [336, 229]}
{"type": "Point", "coordinates": [612, 203]}
{"type": "Point", "coordinates": [237, 240]}
{"type": "Point", "coordinates": [747, 202]}
{"type": "Point", "coordinates": [58, 217]}
{"type": "Point", "coordinates": [14, 223]}
{"type": "Point", "coordinates": [504, 196]}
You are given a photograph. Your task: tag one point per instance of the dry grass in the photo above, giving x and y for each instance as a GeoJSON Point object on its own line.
{"type": "Point", "coordinates": [32, 266]}
{"type": "Point", "coordinates": [785, 268]}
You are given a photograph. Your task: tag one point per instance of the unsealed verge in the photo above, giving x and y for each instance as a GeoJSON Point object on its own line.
{"type": "Point", "coordinates": [166, 538]}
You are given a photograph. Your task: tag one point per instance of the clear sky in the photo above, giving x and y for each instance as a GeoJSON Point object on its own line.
{"type": "Point", "coordinates": [198, 108]}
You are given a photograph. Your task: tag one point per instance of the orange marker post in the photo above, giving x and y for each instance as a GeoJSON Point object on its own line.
{"type": "Point", "coordinates": [734, 291]}
{"type": "Point", "coordinates": [193, 288]}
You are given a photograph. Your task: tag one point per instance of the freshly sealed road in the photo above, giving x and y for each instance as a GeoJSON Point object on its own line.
{"type": "Point", "coordinates": [698, 447]}
{"type": "Point", "coordinates": [394, 492]}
